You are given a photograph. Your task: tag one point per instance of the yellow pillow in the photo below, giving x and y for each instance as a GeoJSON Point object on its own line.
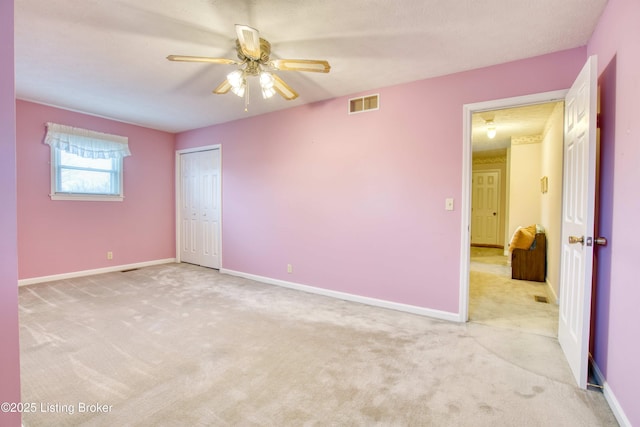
{"type": "Point", "coordinates": [523, 238]}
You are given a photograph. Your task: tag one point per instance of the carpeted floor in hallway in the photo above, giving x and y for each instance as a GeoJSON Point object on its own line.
{"type": "Point", "coordinates": [497, 300]}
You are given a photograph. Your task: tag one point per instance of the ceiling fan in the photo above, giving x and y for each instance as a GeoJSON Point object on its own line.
{"type": "Point", "coordinates": [254, 61]}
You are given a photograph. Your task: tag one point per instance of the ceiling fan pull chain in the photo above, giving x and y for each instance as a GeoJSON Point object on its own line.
{"type": "Point", "coordinates": [246, 99]}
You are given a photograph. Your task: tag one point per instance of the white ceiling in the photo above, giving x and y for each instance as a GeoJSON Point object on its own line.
{"type": "Point", "coordinates": [107, 57]}
{"type": "Point", "coordinates": [525, 121]}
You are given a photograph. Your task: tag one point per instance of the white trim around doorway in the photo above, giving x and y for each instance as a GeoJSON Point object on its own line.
{"type": "Point", "coordinates": [467, 111]}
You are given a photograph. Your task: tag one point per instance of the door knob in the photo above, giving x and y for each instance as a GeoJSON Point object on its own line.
{"type": "Point", "coordinates": [495, 213]}
{"type": "Point", "coordinates": [602, 241]}
{"type": "Point", "coordinates": [576, 239]}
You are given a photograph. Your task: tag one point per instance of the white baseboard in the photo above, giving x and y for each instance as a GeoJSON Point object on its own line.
{"type": "Point", "coordinates": [42, 279]}
{"type": "Point", "coordinates": [555, 297]}
{"type": "Point", "coordinates": [617, 410]}
{"type": "Point", "coordinates": [437, 314]}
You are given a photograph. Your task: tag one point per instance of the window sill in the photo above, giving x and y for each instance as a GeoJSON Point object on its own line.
{"type": "Point", "coordinates": [87, 197]}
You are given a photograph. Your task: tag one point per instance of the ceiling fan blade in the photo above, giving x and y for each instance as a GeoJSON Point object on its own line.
{"type": "Point", "coordinates": [224, 87]}
{"type": "Point", "coordinates": [313, 65]}
{"type": "Point", "coordinates": [182, 58]}
{"type": "Point", "coordinates": [283, 89]}
{"type": "Point", "coordinates": [249, 39]}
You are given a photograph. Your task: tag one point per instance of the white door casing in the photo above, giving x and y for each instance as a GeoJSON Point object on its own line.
{"type": "Point", "coordinates": [579, 186]}
{"type": "Point", "coordinates": [465, 205]}
{"type": "Point", "coordinates": [485, 215]}
{"type": "Point", "coordinates": [200, 208]}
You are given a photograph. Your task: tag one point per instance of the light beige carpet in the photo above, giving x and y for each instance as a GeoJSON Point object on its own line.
{"type": "Point", "coordinates": [497, 300]}
{"type": "Point", "coordinates": [179, 345]}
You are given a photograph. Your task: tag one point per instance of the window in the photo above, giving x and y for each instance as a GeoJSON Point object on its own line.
{"type": "Point", "coordinates": [86, 165]}
{"type": "Point", "coordinates": [80, 175]}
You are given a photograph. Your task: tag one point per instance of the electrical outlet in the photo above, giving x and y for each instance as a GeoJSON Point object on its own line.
{"type": "Point", "coordinates": [289, 268]}
{"type": "Point", "coordinates": [109, 255]}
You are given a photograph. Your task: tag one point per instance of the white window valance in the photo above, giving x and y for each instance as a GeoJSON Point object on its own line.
{"type": "Point", "coordinates": [87, 143]}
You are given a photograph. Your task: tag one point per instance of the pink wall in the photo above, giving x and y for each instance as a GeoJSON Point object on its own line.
{"type": "Point", "coordinates": [356, 203]}
{"type": "Point", "coordinates": [9, 345]}
{"type": "Point", "coordinates": [617, 348]}
{"type": "Point", "coordinates": [66, 236]}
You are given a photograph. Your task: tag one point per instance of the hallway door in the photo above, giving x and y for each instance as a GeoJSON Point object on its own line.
{"type": "Point", "coordinates": [578, 210]}
{"type": "Point", "coordinates": [485, 210]}
{"type": "Point", "coordinates": [200, 208]}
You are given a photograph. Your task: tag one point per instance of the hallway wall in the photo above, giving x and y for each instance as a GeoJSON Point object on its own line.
{"type": "Point", "coordinates": [551, 202]}
{"type": "Point", "coordinates": [524, 183]}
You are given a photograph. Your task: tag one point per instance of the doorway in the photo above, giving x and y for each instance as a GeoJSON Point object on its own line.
{"type": "Point", "coordinates": [527, 131]}
{"type": "Point", "coordinates": [198, 206]}
{"type": "Point", "coordinates": [578, 185]}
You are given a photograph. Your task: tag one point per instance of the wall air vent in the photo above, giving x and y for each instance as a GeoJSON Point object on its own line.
{"type": "Point", "coordinates": [365, 103]}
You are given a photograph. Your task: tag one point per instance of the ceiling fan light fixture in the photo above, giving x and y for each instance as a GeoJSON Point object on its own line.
{"type": "Point", "coordinates": [268, 92]}
{"type": "Point", "coordinates": [266, 83]}
{"type": "Point", "coordinates": [238, 90]}
{"type": "Point", "coordinates": [491, 129]}
{"type": "Point", "coordinates": [266, 80]}
{"type": "Point", "coordinates": [238, 82]}
{"type": "Point", "coordinates": [254, 61]}
{"type": "Point", "coordinates": [236, 78]}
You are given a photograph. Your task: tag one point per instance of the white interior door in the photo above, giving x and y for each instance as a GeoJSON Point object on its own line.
{"type": "Point", "coordinates": [209, 232]}
{"type": "Point", "coordinates": [200, 208]}
{"type": "Point", "coordinates": [485, 213]}
{"type": "Point", "coordinates": [189, 209]}
{"type": "Point", "coordinates": [578, 207]}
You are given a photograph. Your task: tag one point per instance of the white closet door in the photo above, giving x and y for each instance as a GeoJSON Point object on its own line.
{"type": "Point", "coordinates": [200, 208]}
{"type": "Point", "coordinates": [189, 251]}
{"type": "Point", "coordinates": [209, 233]}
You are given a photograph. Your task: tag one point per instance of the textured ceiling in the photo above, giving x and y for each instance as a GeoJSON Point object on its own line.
{"type": "Point", "coordinates": [107, 57]}
{"type": "Point", "coordinates": [518, 122]}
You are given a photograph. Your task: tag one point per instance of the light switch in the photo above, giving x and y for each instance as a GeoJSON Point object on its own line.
{"type": "Point", "coordinates": [448, 204]}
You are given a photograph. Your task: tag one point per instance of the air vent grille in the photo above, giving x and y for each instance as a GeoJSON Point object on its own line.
{"type": "Point", "coordinates": [364, 103]}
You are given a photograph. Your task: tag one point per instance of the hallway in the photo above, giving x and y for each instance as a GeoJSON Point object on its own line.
{"type": "Point", "coordinates": [497, 300]}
